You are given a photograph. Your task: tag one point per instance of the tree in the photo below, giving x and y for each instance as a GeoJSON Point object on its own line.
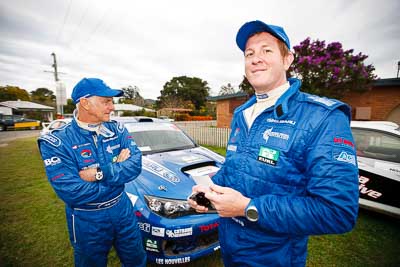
{"type": "Point", "coordinates": [132, 96]}
{"type": "Point", "coordinates": [69, 107]}
{"type": "Point", "coordinates": [184, 90]}
{"type": "Point", "coordinates": [246, 87]}
{"type": "Point", "coordinates": [226, 90]}
{"type": "Point", "coordinates": [10, 93]}
{"type": "Point", "coordinates": [328, 70]}
{"type": "Point", "coordinates": [43, 96]}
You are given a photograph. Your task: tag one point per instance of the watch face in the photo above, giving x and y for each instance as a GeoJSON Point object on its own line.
{"type": "Point", "coordinates": [252, 214]}
{"type": "Point", "coordinates": [99, 175]}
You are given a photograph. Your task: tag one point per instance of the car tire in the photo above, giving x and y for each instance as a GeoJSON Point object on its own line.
{"type": "Point", "coordinates": [3, 128]}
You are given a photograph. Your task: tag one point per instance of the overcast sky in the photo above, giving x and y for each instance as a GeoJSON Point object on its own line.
{"type": "Point", "coordinates": [146, 43]}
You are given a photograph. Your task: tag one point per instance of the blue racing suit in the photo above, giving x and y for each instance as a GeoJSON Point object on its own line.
{"type": "Point", "coordinates": [99, 214]}
{"type": "Point", "coordinates": [298, 165]}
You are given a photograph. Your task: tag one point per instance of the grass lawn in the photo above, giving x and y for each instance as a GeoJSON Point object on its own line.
{"type": "Point", "coordinates": [33, 231]}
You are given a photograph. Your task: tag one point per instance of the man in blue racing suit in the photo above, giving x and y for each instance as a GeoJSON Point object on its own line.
{"type": "Point", "coordinates": [290, 169]}
{"type": "Point", "coordinates": [88, 163]}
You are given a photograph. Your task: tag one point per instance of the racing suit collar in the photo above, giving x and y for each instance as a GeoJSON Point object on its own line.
{"type": "Point", "coordinates": [281, 106]}
{"type": "Point", "coordinates": [87, 129]}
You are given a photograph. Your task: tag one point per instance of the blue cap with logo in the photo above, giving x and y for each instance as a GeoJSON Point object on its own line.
{"type": "Point", "coordinates": [88, 87]}
{"type": "Point", "coordinates": [252, 27]}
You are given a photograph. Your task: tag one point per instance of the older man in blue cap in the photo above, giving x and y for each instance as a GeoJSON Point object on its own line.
{"type": "Point", "coordinates": [88, 163]}
{"type": "Point", "coordinates": [290, 169]}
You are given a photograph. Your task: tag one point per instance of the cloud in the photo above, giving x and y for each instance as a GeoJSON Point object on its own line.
{"type": "Point", "coordinates": [148, 43]}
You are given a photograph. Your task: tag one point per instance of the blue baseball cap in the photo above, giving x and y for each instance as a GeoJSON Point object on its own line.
{"type": "Point", "coordinates": [252, 27]}
{"type": "Point", "coordinates": [88, 87]}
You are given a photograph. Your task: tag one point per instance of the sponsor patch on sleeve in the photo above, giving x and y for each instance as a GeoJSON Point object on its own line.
{"type": "Point", "coordinates": [51, 139]}
{"type": "Point", "coordinates": [344, 155]}
{"type": "Point", "coordinates": [340, 141]}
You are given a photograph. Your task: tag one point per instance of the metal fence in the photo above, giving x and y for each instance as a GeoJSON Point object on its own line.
{"type": "Point", "coordinates": [212, 123]}
{"type": "Point", "coordinates": [206, 135]}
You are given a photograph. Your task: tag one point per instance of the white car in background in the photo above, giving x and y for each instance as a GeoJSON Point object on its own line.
{"type": "Point", "coordinates": [378, 156]}
{"type": "Point", "coordinates": [166, 118]}
{"type": "Point", "coordinates": [49, 126]}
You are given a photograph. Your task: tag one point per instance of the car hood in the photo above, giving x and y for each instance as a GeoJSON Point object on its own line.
{"type": "Point", "coordinates": [166, 174]}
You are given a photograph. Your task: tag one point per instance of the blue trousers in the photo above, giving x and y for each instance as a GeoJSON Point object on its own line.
{"type": "Point", "coordinates": [93, 232]}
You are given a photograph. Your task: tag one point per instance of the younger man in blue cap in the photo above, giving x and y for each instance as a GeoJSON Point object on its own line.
{"type": "Point", "coordinates": [290, 169]}
{"type": "Point", "coordinates": [88, 163]}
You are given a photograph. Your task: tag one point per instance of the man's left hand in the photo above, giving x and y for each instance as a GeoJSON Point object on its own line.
{"type": "Point", "coordinates": [227, 201]}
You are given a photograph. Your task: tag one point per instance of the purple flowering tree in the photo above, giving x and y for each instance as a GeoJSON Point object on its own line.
{"type": "Point", "coordinates": [328, 70]}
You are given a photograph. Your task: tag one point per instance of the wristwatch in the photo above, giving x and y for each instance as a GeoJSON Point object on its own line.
{"type": "Point", "coordinates": [99, 174]}
{"type": "Point", "coordinates": [251, 212]}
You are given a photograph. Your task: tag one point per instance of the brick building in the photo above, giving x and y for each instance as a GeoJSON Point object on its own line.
{"type": "Point", "coordinates": [381, 102]}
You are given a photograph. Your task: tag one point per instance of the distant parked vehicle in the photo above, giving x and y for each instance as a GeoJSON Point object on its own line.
{"type": "Point", "coordinates": [17, 122]}
{"type": "Point", "coordinates": [165, 118]}
{"type": "Point", "coordinates": [378, 157]}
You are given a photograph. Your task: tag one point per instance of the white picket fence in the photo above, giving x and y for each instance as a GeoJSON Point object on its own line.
{"type": "Point", "coordinates": [206, 135]}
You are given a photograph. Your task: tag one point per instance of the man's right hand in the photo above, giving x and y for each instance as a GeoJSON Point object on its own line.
{"type": "Point", "coordinates": [124, 155]}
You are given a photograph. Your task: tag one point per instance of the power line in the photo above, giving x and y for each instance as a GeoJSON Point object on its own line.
{"type": "Point", "coordinates": [106, 11]}
{"type": "Point", "coordinates": [65, 19]}
{"type": "Point", "coordinates": [80, 22]}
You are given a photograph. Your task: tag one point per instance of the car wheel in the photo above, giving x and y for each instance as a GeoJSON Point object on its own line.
{"type": "Point", "coordinates": [2, 128]}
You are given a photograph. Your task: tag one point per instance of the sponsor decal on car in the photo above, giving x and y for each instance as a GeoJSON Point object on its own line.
{"type": "Point", "coordinates": [191, 158]}
{"type": "Point", "coordinates": [158, 231]}
{"type": "Point", "coordinates": [151, 245]}
{"type": "Point", "coordinates": [179, 232]}
{"type": "Point", "coordinates": [365, 190]}
{"type": "Point", "coordinates": [159, 170]}
{"type": "Point", "coordinates": [206, 228]}
{"type": "Point", "coordinates": [145, 227]}
{"type": "Point", "coordinates": [173, 261]}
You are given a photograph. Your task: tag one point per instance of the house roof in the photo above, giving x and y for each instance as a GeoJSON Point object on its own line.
{"type": "Point", "coordinates": [176, 109]}
{"type": "Point", "coordinates": [25, 105]}
{"type": "Point", "coordinates": [229, 96]}
{"type": "Point", "coordinates": [387, 82]}
{"type": "Point", "coordinates": [130, 107]}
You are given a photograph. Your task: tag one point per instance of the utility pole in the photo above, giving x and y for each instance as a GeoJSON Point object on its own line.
{"type": "Point", "coordinates": [398, 68]}
{"type": "Point", "coordinates": [55, 66]}
{"type": "Point", "coordinates": [60, 87]}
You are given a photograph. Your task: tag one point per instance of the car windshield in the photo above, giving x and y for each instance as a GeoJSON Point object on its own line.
{"type": "Point", "coordinates": [158, 137]}
{"type": "Point", "coordinates": [377, 145]}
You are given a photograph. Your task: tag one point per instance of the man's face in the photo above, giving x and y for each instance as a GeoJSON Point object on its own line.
{"type": "Point", "coordinates": [97, 109]}
{"type": "Point", "coordinates": [265, 67]}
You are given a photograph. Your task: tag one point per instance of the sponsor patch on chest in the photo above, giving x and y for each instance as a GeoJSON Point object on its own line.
{"type": "Point", "coordinates": [268, 155]}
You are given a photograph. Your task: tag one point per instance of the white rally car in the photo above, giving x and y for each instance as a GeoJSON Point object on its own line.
{"type": "Point", "coordinates": [378, 154]}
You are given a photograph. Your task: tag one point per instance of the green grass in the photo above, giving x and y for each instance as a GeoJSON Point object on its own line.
{"type": "Point", "coordinates": [33, 231]}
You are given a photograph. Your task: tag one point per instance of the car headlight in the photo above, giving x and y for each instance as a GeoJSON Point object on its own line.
{"type": "Point", "coordinates": [168, 207]}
